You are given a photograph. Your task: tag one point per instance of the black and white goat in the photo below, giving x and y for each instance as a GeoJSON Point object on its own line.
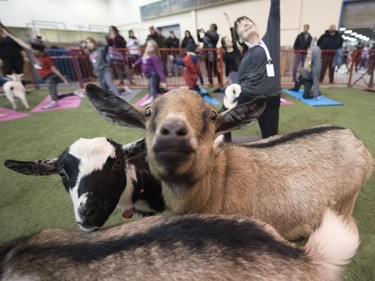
{"type": "Point", "coordinates": [287, 180]}
{"type": "Point", "coordinates": [189, 247]}
{"type": "Point", "coordinates": [99, 176]}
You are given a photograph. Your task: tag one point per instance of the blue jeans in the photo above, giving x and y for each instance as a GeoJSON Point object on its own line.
{"type": "Point", "coordinates": [299, 59]}
{"type": "Point", "coordinates": [106, 81]}
{"type": "Point", "coordinates": [153, 84]}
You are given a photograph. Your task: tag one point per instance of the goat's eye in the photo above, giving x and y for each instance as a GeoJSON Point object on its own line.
{"type": "Point", "coordinates": [62, 173]}
{"type": "Point", "coordinates": [148, 112]}
{"type": "Point", "coordinates": [213, 116]}
{"type": "Point", "coordinates": [117, 163]}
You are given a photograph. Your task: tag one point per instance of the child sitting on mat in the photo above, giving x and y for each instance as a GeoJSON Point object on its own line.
{"type": "Point", "coordinates": [153, 70]}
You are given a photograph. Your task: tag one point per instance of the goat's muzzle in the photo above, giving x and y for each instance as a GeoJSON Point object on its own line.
{"type": "Point", "coordinates": [172, 144]}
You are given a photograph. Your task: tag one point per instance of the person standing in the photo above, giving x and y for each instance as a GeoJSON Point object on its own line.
{"type": "Point", "coordinates": [210, 39]}
{"type": "Point", "coordinates": [134, 48]}
{"type": "Point", "coordinates": [153, 70]}
{"type": "Point", "coordinates": [172, 42]}
{"type": "Point", "coordinates": [12, 55]}
{"type": "Point", "coordinates": [117, 58]}
{"type": "Point", "coordinates": [301, 44]}
{"type": "Point", "coordinates": [329, 42]}
{"type": "Point", "coordinates": [259, 70]}
{"type": "Point", "coordinates": [187, 39]}
{"type": "Point", "coordinates": [101, 66]}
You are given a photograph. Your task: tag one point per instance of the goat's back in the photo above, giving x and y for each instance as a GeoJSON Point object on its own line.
{"type": "Point", "coordinates": [192, 247]}
{"type": "Point", "coordinates": [290, 180]}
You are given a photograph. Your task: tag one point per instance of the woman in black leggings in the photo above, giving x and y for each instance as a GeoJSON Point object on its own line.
{"type": "Point", "coordinates": [259, 70]}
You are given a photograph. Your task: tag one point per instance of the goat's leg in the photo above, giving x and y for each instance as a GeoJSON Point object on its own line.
{"type": "Point", "coordinates": [11, 100]}
{"type": "Point", "coordinates": [24, 101]}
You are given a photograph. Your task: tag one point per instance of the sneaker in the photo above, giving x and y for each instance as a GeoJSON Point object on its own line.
{"type": "Point", "coordinates": [148, 101]}
{"type": "Point", "coordinates": [79, 93]}
{"type": "Point", "coordinates": [52, 104]}
{"type": "Point", "coordinates": [128, 90]}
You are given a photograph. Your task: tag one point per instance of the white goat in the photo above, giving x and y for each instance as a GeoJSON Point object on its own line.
{"type": "Point", "coordinates": [287, 180]}
{"type": "Point", "coordinates": [14, 88]}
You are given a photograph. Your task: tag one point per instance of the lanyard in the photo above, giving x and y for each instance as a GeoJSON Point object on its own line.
{"type": "Point", "coordinates": [263, 45]}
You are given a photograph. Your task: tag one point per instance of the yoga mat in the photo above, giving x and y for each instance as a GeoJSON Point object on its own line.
{"type": "Point", "coordinates": [284, 101]}
{"type": "Point", "coordinates": [211, 100]}
{"type": "Point", "coordinates": [208, 99]}
{"type": "Point", "coordinates": [323, 101]}
{"type": "Point", "coordinates": [142, 99]}
{"type": "Point", "coordinates": [11, 114]}
{"type": "Point", "coordinates": [64, 103]}
{"type": "Point", "coordinates": [128, 96]}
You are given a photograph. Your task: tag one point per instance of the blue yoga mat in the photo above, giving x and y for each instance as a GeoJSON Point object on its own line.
{"type": "Point", "coordinates": [323, 101]}
{"type": "Point", "coordinates": [208, 99]}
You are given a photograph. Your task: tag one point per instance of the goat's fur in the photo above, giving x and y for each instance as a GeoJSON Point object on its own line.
{"type": "Point", "coordinates": [287, 180]}
{"type": "Point", "coordinates": [189, 247]}
{"type": "Point", "coordinates": [14, 88]}
{"type": "Point", "coordinates": [99, 174]}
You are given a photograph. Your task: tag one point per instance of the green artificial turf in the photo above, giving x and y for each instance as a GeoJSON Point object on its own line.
{"type": "Point", "coordinates": [29, 204]}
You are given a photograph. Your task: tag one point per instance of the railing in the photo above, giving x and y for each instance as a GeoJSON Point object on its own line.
{"type": "Point", "coordinates": [354, 69]}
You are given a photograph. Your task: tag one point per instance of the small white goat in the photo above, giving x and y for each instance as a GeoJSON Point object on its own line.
{"type": "Point", "coordinates": [14, 88]}
{"type": "Point", "coordinates": [287, 180]}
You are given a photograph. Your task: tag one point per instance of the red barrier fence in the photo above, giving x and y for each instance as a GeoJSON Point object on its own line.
{"type": "Point", "coordinates": [351, 68]}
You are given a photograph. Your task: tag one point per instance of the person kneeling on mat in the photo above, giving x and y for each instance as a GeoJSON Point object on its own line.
{"type": "Point", "coordinates": [309, 77]}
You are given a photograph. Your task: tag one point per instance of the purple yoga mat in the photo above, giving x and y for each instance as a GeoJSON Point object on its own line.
{"type": "Point", "coordinates": [66, 102]}
{"type": "Point", "coordinates": [11, 114]}
{"type": "Point", "coordinates": [284, 101]}
{"type": "Point", "coordinates": [142, 99]}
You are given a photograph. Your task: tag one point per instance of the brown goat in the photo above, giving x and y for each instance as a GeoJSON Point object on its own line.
{"type": "Point", "coordinates": [189, 247]}
{"type": "Point", "coordinates": [287, 180]}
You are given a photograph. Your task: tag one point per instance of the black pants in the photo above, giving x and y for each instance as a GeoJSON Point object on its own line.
{"type": "Point", "coordinates": [12, 64]}
{"type": "Point", "coordinates": [269, 120]}
{"type": "Point", "coordinates": [307, 85]}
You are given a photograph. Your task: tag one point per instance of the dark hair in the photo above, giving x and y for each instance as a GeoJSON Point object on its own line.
{"type": "Point", "coordinates": [115, 29]}
{"type": "Point", "coordinates": [37, 44]}
{"type": "Point", "coordinates": [188, 32]}
{"type": "Point", "coordinates": [223, 43]}
{"type": "Point", "coordinates": [236, 23]}
{"type": "Point", "coordinates": [214, 26]}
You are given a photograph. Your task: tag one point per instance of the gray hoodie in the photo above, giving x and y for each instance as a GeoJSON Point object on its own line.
{"type": "Point", "coordinates": [313, 72]}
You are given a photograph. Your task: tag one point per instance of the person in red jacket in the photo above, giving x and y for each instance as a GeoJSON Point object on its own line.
{"type": "Point", "coordinates": [192, 67]}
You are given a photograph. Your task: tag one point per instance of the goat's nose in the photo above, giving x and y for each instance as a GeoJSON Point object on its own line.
{"type": "Point", "coordinates": [87, 210]}
{"type": "Point", "coordinates": [174, 128]}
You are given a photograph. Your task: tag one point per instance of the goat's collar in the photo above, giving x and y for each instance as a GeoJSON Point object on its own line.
{"type": "Point", "coordinates": [128, 213]}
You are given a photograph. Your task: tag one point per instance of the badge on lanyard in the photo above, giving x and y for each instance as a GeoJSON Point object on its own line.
{"type": "Point", "coordinates": [270, 69]}
{"type": "Point", "coordinates": [269, 66]}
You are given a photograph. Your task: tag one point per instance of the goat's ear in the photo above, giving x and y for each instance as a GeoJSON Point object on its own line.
{"type": "Point", "coordinates": [241, 116]}
{"type": "Point", "coordinates": [133, 149]}
{"type": "Point", "coordinates": [9, 76]}
{"type": "Point", "coordinates": [44, 167]}
{"type": "Point", "coordinates": [115, 109]}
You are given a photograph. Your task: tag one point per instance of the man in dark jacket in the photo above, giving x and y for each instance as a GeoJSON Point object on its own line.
{"type": "Point", "coordinates": [210, 39]}
{"type": "Point", "coordinates": [301, 44]}
{"type": "Point", "coordinates": [329, 42]}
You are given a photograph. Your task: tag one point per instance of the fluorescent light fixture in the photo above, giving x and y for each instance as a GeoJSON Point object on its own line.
{"type": "Point", "coordinates": [348, 31]}
{"type": "Point", "coordinates": [343, 29]}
